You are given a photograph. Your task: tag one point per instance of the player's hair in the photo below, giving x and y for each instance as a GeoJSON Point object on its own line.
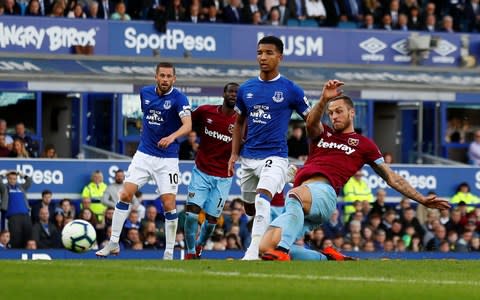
{"type": "Point", "coordinates": [272, 40]}
{"type": "Point", "coordinates": [165, 65]}
{"type": "Point", "coordinates": [229, 84]}
{"type": "Point", "coordinates": [345, 98]}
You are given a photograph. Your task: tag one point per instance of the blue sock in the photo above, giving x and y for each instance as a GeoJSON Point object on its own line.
{"type": "Point", "coordinates": [190, 227]}
{"type": "Point", "coordinates": [205, 232]}
{"type": "Point", "coordinates": [301, 253]}
{"type": "Point", "coordinates": [291, 222]}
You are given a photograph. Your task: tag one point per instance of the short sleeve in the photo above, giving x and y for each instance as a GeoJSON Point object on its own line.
{"type": "Point", "coordinates": [240, 107]}
{"type": "Point", "coordinates": [183, 107]}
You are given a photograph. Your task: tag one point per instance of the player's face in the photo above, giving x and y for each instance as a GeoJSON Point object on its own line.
{"type": "Point", "coordinates": [268, 57]}
{"type": "Point", "coordinates": [230, 96]}
{"type": "Point", "coordinates": [341, 116]}
{"type": "Point", "coordinates": [165, 79]}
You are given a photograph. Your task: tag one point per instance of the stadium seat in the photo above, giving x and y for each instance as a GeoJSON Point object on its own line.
{"type": "Point", "coordinates": [347, 25]}
{"type": "Point", "coordinates": [309, 23]}
{"type": "Point", "coordinates": [292, 22]}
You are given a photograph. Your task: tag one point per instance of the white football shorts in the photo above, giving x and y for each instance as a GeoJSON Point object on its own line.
{"type": "Point", "coordinates": [164, 171]}
{"type": "Point", "coordinates": [269, 174]}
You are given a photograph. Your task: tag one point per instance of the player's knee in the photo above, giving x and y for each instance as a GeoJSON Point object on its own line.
{"type": "Point", "coordinates": [125, 196]}
{"type": "Point", "coordinates": [193, 208]}
{"type": "Point", "coordinates": [211, 219]}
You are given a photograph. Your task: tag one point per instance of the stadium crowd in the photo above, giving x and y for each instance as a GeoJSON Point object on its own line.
{"type": "Point", "coordinates": [405, 15]}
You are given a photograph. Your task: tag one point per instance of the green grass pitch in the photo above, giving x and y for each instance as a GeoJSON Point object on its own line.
{"type": "Point", "coordinates": [232, 279]}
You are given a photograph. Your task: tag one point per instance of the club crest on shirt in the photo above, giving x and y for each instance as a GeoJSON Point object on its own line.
{"type": "Point", "coordinates": [249, 96]}
{"type": "Point", "coordinates": [191, 195]}
{"type": "Point", "coordinates": [167, 104]}
{"type": "Point", "coordinates": [353, 142]}
{"type": "Point", "coordinates": [230, 128]}
{"type": "Point", "coordinates": [209, 121]}
{"type": "Point", "coordinates": [278, 97]}
{"type": "Point", "coordinates": [147, 102]}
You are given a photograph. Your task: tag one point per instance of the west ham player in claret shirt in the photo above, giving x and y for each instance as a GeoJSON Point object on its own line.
{"type": "Point", "coordinates": [336, 153]}
{"type": "Point", "coordinates": [210, 183]}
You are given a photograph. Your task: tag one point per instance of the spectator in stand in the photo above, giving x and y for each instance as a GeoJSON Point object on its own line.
{"type": "Point", "coordinates": [92, 195]}
{"type": "Point", "coordinates": [49, 152]}
{"type": "Point", "coordinates": [249, 9]}
{"type": "Point", "coordinates": [238, 218]}
{"type": "Point", "coordinates": [404, 204]}
{"type": "Point", "coordinates": [472, 16]}
{"type": "Point", "coordinates": [257, 18]}
{"type": "Point", "coordinates": [8, 138]}
{"type": "Point", "coordinates": [388, 219]}
{"type": "Point", "coordinates": [45, 233]}
{"type": "Point", "coordinates": [231, 12]}
{"type": "Point", "coordinates": [284, 11]}
{"type": "Point", "coordinates": [18, 149]}
{"type": "Point", "coordinates": [430, 23]}
{"type": "Point", "coordinates": [2, 9]}
{"type": "Point", "coordinates": [105, 9]}
{"type": "Point", "coordinates": [12, 8]}
{"type": "Point", "coordinates": [195, 16]}
{"type": "Point", "coordinates": [455, 222]}
{"type": "Point", "coordinates": [334, 226]}
{"type": "Point", "coordinates": [415, 22]}
{"type": "Point", "coordinates": [402, 23]}
{"type": "Point", "coordinates": [386, 23]}
{"type": "Point", "coordinates": [87, 214]}
{"type": "Point", "coordinates": [474, 149]}
{"type": "Point", "coordinates": [379, 206]}
{"type": "Point", "coordinates": [464, 194]}
{"type": "Point", "coordinates": [315, 10]}
{"type": "Point", "coordinates": [298, 144]}
{"type": "Point", "coordinates": [5, 240]}
{"type": "Point", "coordinates": [58, 10]}
{"type": "Point", "coordinates": [132, 238]}
{"type": "Point", "coordinates": [31, 245]}
{"type": "Point", "coordinates": [33, 9]}
{"type": "Point", "coordinates": [111, 195]}
{"type": "Point", "coordinates": [93, 10]}
{"type": "Point", "coordinates": [212, 15]}
{"type": "Point", "coordinates": [356, 189]}
{"type": "Point", "coordinates": [274, 18]}
{"type": "Point", "coordinates": [464, 242]}
{"type": "Point", "coordinates": [374, 8]}
{"type": "Point", "coordinates": [189, 147]}
{"type": "Point", "coordinates": [67, 208]}
{"type": "Point", "coordinates": [15, 205]}
{"type": "Point", "coordinates": [120, 13]}
{"type": "Point", "coordinates": [4, 151]}
{"type": "Point", "coordinates": [176, 12]}
{"type": "Point", "coordinates": [30, 144]}
{"type": "Point", "coordinates": [69, 8]}
{"type": "Point", "coordinates": [447, 24]}
{"type": "Point", "coordinates": [439, 236]}
{"type": "Point", "coordinates": [46, 201]}
{"type": "Point", "coordinates": [408, 219]}
{"type": "Point", "coordinates": [77, 12]}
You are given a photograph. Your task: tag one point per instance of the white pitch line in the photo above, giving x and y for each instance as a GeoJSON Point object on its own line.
{"type": "Point", "coordinates": [316, 277]}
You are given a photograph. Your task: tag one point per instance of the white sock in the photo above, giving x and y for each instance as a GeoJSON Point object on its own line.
{"type": "Point", "coordinates": [170, 231]}
{"type": "Point", "coordinates": [260, 223]}
{"type": "Point", "coordinates": [120, 214]}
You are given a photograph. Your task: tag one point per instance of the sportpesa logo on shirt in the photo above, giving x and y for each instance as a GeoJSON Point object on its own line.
{"type": "Point", "coordinates": [332, 145]}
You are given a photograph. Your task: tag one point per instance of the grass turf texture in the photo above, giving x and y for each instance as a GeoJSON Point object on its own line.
{"type": "Point", "coordinates": [206, 279]}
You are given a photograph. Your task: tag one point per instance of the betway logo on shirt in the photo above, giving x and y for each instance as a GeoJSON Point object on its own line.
{"type": "Point", "coordinates": [217, 135]}
{"type": "Point", "coordinates": [332, 145]}
{"type": "Point", "coordinates": [58, 36]}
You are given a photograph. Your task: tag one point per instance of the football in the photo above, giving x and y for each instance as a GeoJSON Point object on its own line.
{"type": "Point", "coordinates": [78, 236]}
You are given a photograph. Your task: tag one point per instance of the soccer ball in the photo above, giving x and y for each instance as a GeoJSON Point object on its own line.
{"type": "Point", "coordinates": [78, 236]}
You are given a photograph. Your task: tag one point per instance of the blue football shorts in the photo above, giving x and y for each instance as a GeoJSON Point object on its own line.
{"type": "Point", "coordinates": [208, 192]}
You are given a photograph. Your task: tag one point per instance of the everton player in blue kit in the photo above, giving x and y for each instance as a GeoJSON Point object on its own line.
{"type": "Point", "coordinates": [166, 116]}
{"type": "Point", "coordinates": [210, 184]}
{"type": "Point", "coordinates": [265, 104]}
{"type": "Point", "coordinates": [336, 154]}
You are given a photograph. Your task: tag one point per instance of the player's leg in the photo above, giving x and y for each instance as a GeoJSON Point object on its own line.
{"type": "Point", "coordinates": [166, 177]}
{"type": "Point", "coordinates": [137, 175]}
{"type": "Point", "coordinates": [198, 193]}
{"type": "Point", "coordinates": [272, 179]}
{"type": "Point", "coordinates": [213, 208]}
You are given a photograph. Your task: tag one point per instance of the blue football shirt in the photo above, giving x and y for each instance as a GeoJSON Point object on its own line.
{"type": "Point", "coordinates": [268, 107]}
{"type": "Point", "coordinates": [161, 117]}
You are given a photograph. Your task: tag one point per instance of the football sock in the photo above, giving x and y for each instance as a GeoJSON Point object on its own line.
{"type": "Point", "coordinates": [205, 232]}
{"type": "Point", "coordinates": [260, 222]}
{"type": "Point", "coordinates": [291, 222]}
{"type": "Point", "coordinates": [171, 223]}
{"type": "Point", "coordinates": [191, 226]}
{"type": "Point", "coordinates": [301, 253]}
{"type": "Point", "coordinates": [120, 214]}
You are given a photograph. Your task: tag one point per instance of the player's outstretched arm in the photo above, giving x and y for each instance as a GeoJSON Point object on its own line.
{"type": "Point", "coordinates": [330, 90]}
{"type": "Point", "coordinates": [183, 130]}
{"type": "Point", "coordinates": [237, 135]}
{"type": "Point", "coordinates": [402, 186]}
